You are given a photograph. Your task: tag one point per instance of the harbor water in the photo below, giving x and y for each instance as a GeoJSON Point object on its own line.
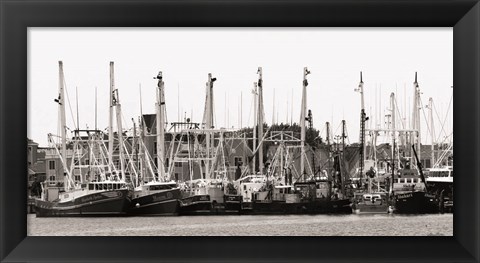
{"type": "Point", "coordinates": [283, 225]}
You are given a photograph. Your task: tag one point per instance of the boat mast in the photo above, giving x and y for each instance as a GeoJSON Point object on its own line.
{"type": "Point", "coordinates": [394, 133]}
{"type": "Point", "coordinates": [329, 150]}
{"type": "Point", "coordinates": [110, 120]}
{"type": "Point", "coordinates": [302, 120]}
{"type": "Point", "coordinates": [260, 119]}
{"type": "Point", "coordinates": [432, 131]}
{"type": "Point", "coordinates": [273, 111]}
{"type": "Point", "coordinates": [416, 115]}
{"type": "Point", "coordinates": [362, 128]}
{"type": "Point", "coordinates": [141, 158]}
{"type": "Point", "coordinates": [254, 125]}
{"type": "Point", "coordinates": [343, 172]}
{"type": "Point", "coordinates": [118, 113]}
{"type": "Point", "coordinates": [209, 121]}
{"type": "Point", "coordinates": [63, 125]}
{"type": "Point", "coordinates": [160, 110]}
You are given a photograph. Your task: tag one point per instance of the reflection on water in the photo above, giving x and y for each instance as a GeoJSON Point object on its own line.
{"type": "Point", "coordinates": [286, 225]}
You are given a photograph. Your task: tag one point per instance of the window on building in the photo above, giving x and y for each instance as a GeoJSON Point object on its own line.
{"type": "Point", "coordinates": [155, 147]}
{"type": "Point", "coordinates": [238, 161]}
{"type": "Point", "coordinates": [116, 163]}
{"type": "Point", "coordinates": [77, 174]}
{"type": "Point", "coordinates": [176, 176]}
{"type": "Point", "coordinates": [87, 162]}
{"type": "Point", "coordinates": [51, 180]}
{"type": "Point", "coordinates": [51, 165]}
{"type": "Point", "coordinates": [426, 163]}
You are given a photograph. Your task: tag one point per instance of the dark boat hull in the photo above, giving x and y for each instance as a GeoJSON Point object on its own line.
{"type": "Point", "coordinates": [165, 203]}
{"type": "Point", "coordinates": [233, 204]}
{"type": "Point", "coordinates": [340, 206]}
{"type": "Point", "coordinates": [196, 205]}
{"type": "Point", "coordinates": [416, 203]}
{"type": "Point", "coordinates": [108, 203]}
{"type": "Point", "coordinates": [363, 208]}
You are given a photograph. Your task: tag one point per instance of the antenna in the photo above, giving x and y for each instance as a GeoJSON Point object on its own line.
{"type": "Point", "coordinates": [241, 108]}
{"type": "Point", "coordinates": [95, 108]}
{"type": "Point", "coordinates": [76, 95]}
{"type": "Point", "coordinates": [141, 108]}
{"type": "Point", "coordinates": [273, 111]}
{"type": "Point", "coordinates": [178, 101]}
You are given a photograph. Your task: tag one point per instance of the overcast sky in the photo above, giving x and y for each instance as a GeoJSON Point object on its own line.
{"type": "Point", "coordinates": [388, 58]}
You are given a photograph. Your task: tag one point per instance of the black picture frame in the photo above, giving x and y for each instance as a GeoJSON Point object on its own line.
{"type": "Point", "coordinates": [17, 15]}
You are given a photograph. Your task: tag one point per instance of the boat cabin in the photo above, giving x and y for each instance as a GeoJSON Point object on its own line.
{"type": "Point", "coordinates": [371, 198]}
{"type": "Point", "coordinates": [249, 185]}
{"type": "Point", "coordinates": [307, 190]}
{"type": "Point", "coordinates": [440, 175]}
{"type": "Point", "coordinates": [281, 191]}
{"type": "Point", "coordinates": [408, 180]}
{"type": "Point", "coordinates": [106, 186]}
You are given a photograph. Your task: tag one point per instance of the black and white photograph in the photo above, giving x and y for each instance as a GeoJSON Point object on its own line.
{"type": "Point", "coordinates": [240, 131]}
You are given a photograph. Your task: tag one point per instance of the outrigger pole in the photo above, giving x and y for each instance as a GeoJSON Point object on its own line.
{"type": "Point", "coordinates": [303, 118]}
{"type": "Point", "coordinates": [260, 119]}
{"type": "Point", "coordinates": [160, 110]}
{"type": "Point", "coordinates": [362, 128]}
{"type": "Point", "coordinates": [63, 126]}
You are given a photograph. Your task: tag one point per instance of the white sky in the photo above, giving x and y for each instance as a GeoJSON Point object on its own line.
{"type": "Point", "coordinates": [388, 58]}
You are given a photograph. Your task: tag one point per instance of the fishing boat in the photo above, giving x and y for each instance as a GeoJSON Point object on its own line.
{"type": "Point", "coordinates": [107, 195]}
{"type": "Point", "coordinates": [195, 199]}
{"type": "Point", "coordinates": [108, 198]}
{"type": "Point", "coordinates": [232, 200]}
{"type": "Point", "coordinates": [159, 196]}
{"type": "Point", "coordinates": [250, 188]}
{"type": "Point", "coordinates": [155, 198]}
{"type": "Point", "coordinates": [370, 203]}
{"type": "Point", "coordinates": [309, 194]}
{"type": "Point", "coordinates": [367, 201]}
{"type": "Point", "coordinates": [411, 193]}
{"type": "Point", "coordinates": [440, 181]}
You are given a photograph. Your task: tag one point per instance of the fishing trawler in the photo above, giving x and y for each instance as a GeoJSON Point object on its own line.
{"type": "Point", "coordinates": [411, 193]}
{"type": "Point", "coordinates": [440, 181]}
{"type": "Point", "coordinates": [369, 201]}
{"type": "Point", "coordinates": [155, 198]}
{"type": "Point", "coordinates": [195, 199]}
{"type": "Point", "coordinates": [159, 196]}
{"type": "Point", "coordinates": [250, 188]}
{"type": "Point", "coordinates": [106, 198]}
{"type": "Point", "coordinates": [110, 195]}
{"type": "Point", "coordinates": [274, 193]}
